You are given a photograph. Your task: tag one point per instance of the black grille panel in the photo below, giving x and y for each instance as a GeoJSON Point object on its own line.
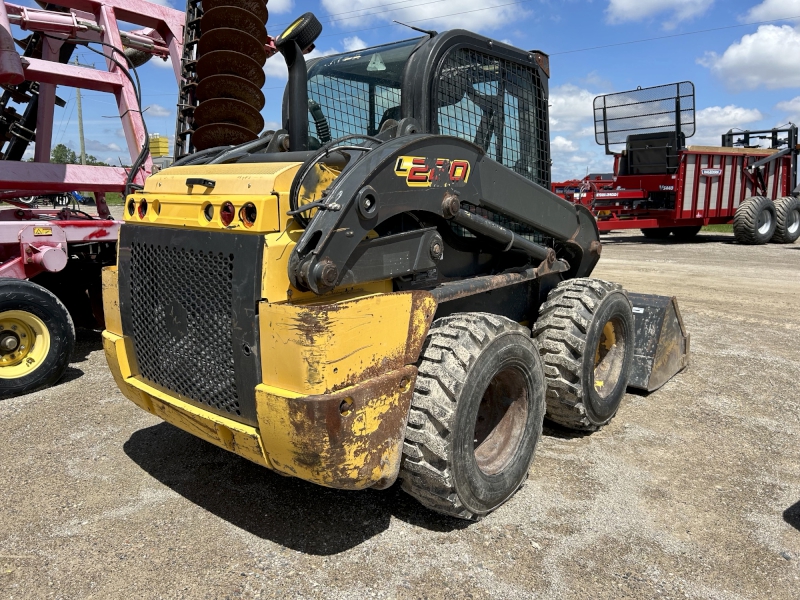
{"type": "Point", "coordinates": [189, 301]}
{"type": "Point", "coordinates": [182, 302]}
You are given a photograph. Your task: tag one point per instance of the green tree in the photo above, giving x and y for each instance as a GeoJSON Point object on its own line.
{"type": "Point", "coordinates": [63, 155]}
{"type": "Point", "coordinates": [91, 160]}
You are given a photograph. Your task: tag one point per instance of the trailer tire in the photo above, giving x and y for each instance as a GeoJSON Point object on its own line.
{"type": "Point", "coordinates": [656, 233]}
{"type": "Point", "coordinates": [754, 221]}
{"type": "Point", "coordinates": [37, 337]}
{"type": "Point", "coordinates": [686, 233]}
{"type": "Point", "coordinates": [787, 213]}
{"type": "Point", "coordinates": [480, 378]}
{"type": "Point", "coordinates": [580, 316]}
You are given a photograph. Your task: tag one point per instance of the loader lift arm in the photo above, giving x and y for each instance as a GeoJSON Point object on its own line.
{"type": "Point", "coordinates": [414, 176]}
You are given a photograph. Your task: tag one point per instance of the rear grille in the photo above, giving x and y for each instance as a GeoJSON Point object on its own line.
{"type": "Point", "coordinates": [182, 320]}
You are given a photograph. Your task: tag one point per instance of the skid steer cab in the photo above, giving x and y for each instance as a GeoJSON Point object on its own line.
{"type": "Point", "coordinates": [385, 288]}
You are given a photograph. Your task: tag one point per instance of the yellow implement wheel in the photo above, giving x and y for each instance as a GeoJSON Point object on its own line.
{"type": "Point", "coordinates": [37, 337]}
{"type": "Point", "coordinates": [24, 343]}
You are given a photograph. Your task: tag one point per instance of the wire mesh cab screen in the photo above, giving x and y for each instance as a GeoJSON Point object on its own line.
{"type": "Point", "coordinates": [499, 105]}
{"type": "Point", "coordinates": [359, 91]}
{"type": "Point", "coordinates": [659, 109]}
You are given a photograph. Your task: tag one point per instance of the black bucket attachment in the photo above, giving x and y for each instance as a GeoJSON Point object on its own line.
{"type": "Point", "coordinates": [661, 344]}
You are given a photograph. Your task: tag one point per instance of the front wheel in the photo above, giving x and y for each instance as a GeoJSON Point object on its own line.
{"type": "Point", "coordinates": [37, 337]}
{"type": "Point", "coordinates": [585, 336]}
{"type": "Point", "coordinates": [476, 415]}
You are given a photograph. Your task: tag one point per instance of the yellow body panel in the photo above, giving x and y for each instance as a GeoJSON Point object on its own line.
{"type": "Point", "coordinates": [351, 439]}
{"type": "Point", "coordinates": [172, 203]}
{"type": "Point", "coordinates": [317, 348]}
{"type": "Point", "coordinates": [111, 300]}
{"type": "Point", "coordinates": [337, 370]}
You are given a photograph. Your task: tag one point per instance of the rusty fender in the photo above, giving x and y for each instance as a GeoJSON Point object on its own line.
{"type": "Point", "coordinates": [351, 439]}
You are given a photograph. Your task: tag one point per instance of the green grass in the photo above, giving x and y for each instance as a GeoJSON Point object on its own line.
{"type": "Point", "coordinates": [112, 198]}
{"type": "Point", "coordinates": [728, 228]}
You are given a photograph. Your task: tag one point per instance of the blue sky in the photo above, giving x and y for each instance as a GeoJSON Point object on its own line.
{"type": "Point", "coordinates": [746, 75]}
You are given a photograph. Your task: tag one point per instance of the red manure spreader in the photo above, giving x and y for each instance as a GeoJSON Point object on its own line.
{"type": "Point", "coordinates": [663, 187]}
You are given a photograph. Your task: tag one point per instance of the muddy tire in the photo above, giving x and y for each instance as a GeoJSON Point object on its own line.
{"type": "Point", "coordinates": [686, 233]}
{"type": "Point", "coordinates": [754, 221]}
{"type": "Point", "coordinates": [656, 233]}
{"type": "Point", "coordinates": [476, 415]}
{"type": "Point", "coordinates": [37, 337]}
{"type": "Point", "coordinates": [787, 227]}
{"type": "Point", "coordinates": [585, 337]}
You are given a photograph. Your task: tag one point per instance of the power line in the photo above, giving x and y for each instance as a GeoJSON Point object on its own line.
{"type": "Point", "coordinates": [327, 19]}
{"type": "Point", "coordinates": [462, 12]}
{"type": "Point", "coordinates": [673, 35]}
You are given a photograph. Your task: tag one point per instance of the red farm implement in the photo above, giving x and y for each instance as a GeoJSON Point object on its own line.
{"type": "Point", "coordinates": [664, 188]}
{"type": "Point", "coordinates": [50, 258]}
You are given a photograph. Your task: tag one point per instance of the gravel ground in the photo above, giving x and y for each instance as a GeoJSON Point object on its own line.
{"type": "Point", "coordinates": [692, 491]}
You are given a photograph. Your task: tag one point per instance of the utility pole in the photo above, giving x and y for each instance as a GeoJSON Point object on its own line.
{"type": "Point", "coordinates": [80, 120]}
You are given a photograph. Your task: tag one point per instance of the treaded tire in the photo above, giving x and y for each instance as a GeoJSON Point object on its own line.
{"type": "Point", "coordinates": [571, 326]}
{"type": "Point", "coordinates": [787, 213]}
{"type": "Point", "coordinates": [656, 233]}
{"type": "Point", "coordinates": [686, 233]}
{"type": "Point", "coordinates": [304, 30]}
{"type": "Point", "coordinates": [473, 363]}
{"type": "Point", "coordinates": [26, 297]}
{"type": "Point", "coordinates": [754, 221]}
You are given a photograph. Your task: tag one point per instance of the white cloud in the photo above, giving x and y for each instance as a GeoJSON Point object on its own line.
{"type": "Point", "coordinates": [279, 7]}
{"type": "Point", "coordinates": [713, 121]}
{"type": "Point", "coordinates": [673, 11]}
{"type": "Point", "coordinates": [570, 108]}
{"type": "Point", "coordinates": [770, 10]}
{"type": "Point", "coordinates": [160, 63]}
{"type": "Point", "coordinates": [97, 146]}
{"type": "Point", "coordinates": [470, 14]}
{"type": "Point", "coordinates": [562, 144]}
{"type": "Point", "coordinates": [765, 58]}
{"type": "Point", "coordinates": [276, 67]}
{"type": "Point", "coordinates": [791, 108]}
{"type": "Point", "coordinates": [353, 43]}
{"type": "Point", "coordinates": [156, 110]}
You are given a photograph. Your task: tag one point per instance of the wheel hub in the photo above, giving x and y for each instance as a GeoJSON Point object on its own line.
{"type": "Point", "coordinates": [764, 222]}
{"type": "Point", "coordinates": [794, 222]}
{"type": "Point", "coordinates": [24, 343]}
{"type": "Point", "coordinates": [501, 420]}
{"type": "Point", "coordinates": [608, 359]}
{"type": "Point", "coordinates": [9, 342]}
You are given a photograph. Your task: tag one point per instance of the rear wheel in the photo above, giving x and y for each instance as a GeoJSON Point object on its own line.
{"type": "Point", "coordinates": [585, 336]}
{"type": "Point", "coordinates": [686, 233]}
{"type": "Point", "coordinates": [754, 221]}
{"type": "Point", "coordinates": [787, 213]}
{"type": "Point", "coordinates": [656, 233]}
{"type": "Point", "coordinates": [476, 415]}
{"type": "Point", "coordinates": [37, 337]}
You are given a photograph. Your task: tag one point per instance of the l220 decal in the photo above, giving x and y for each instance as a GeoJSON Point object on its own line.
{"type": "Point", "coordinates": [419, 171]}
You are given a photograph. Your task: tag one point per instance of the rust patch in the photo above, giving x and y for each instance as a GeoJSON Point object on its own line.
{"type": "Point", "coordinates": [352, 439]}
